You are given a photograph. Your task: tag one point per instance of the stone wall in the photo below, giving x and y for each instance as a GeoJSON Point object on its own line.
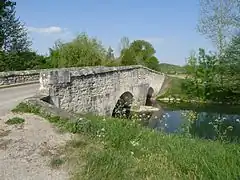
{"type": "Point", "coordinates": [97, 89]}
{"type": "Point", "coordinates": [16, 77]}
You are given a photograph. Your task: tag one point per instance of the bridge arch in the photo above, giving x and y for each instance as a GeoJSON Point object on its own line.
{"type": "Point", "coordinates": [123, 105]}
{"type": "Point", "coordinates": [150, 93]}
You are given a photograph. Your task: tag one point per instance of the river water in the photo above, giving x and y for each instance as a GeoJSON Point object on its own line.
{"type": "Point", "coordinates": [203, 121]}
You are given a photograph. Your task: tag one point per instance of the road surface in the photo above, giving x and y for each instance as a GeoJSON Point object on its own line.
{"type": "Point", "coordinates": [10, 97]}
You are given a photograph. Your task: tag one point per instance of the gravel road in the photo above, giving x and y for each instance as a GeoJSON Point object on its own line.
{"type": "Point", "coordinates": [26, 150]}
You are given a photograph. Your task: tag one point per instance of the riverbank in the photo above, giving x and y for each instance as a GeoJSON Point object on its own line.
{"type": "Point", "coordinates": [107, 148]}
{"type": "Point", "coordinates": [174, 93]}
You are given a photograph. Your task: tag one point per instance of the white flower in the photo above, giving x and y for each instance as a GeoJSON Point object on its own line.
{"type": "Point", "coordinates": [132, 153]}
{"type": "Point", "coordinates": [134, 143]}
{"type": "Point", "coordinates": [237, 120]}
{"type": "Point", "coordinates": [102, 129]}
{"type": "Point", "coordinates": [167, 115]}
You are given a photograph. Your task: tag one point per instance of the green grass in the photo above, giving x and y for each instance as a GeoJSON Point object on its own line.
{"type": "Point", "coordinates": [174, 89]}
{"type": "Point", "coordinates": [15, 120]}
{"type": "Point", "coordinates": [122, 150]}
{"type": "Point", "coordinates": [171, 68]}
{"type": "Point", "coordinates": [56, 162]}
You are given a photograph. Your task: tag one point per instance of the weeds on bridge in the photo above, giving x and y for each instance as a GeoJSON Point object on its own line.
{"type": "Point", "coordinates": [108, 148]}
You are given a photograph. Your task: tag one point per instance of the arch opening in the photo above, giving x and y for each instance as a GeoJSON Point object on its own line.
{"type": "Point", "coordinates": [149, 101]}
{"type": "Point", "coordinates": [123, 106]}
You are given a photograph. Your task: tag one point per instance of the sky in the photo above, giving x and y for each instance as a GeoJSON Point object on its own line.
{"type": "Point", "coordinates": [170, 25]}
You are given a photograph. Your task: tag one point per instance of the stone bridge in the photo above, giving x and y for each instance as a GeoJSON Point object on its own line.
{"type": "Point", "coordinates": [100, 90]}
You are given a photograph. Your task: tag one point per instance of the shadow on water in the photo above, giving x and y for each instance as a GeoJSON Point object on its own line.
{"type": "Point", "coordinates": [203, 121]}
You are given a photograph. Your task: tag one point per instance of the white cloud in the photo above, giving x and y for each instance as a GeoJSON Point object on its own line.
{"type": "Point", "coordinates": [47, 30]}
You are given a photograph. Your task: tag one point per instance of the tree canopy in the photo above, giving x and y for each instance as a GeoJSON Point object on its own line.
{"type": "Point", "coordinates": [140, 52]}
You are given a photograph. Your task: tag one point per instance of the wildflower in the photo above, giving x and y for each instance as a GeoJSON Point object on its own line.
{"type": "Point", "coordinates": [132, 153]}
{"type": "Point", "coordinates": [167, 115]}
{"type": "Point", "coordinates": [102, 129]}
{"type": "Point", "coordinates": [104, 119]}
{"type": "Point", "coordinates": [237, 120]}
{"type": "Point", "coordinates": [134, 143]}
{"type": "Point", "coordinates": [230, 128]}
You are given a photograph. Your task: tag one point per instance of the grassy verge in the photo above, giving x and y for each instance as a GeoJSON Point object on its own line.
{"type": "Point", "coordinates": [119, 149]}
{"type": "Point", "coordinates": [15, 120]}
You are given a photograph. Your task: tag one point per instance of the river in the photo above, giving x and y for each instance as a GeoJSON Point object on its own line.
{"type": "Point", "coordinates": [203, 121]}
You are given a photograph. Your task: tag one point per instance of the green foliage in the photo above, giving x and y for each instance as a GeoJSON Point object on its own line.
{"type": "Point", "coordinates": [14, 35]}
{"type": "Point", "coordinates": [231, 64]}
{"type": "Point", "coordinates": [119, 149]}
{"type": "Point", "coordinates": [22, 60]}
{"type": "Point", "coordinates": [143, 50]}
{"type": "Point", "coordinates": [82, 51]}
{"type": "Point", "coordinates": [15, 120]}
{"type": "Point", "coordinates": [5, 5]}
{"type": "Point", "coordinates": [152, 63]}
{"type": "Point", "coordinates": [15, 51]}
{"type": "Point", "coordinates": [212, 78]}
{"type": "Point", "coordinates": [139, 52]}
{"type": "Point", "coordinates": [128, 57]}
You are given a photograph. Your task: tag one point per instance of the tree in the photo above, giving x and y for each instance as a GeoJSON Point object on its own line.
{"type": "Point", "coordinates": [152, 63]}
{"type": "Point", "coordinates": [82, 51]}
{"type": "Point", "coordinates": [143, 50]}
{"type": "Point", "coordinates": [218, 21]}
{"type": "Point", "coordinates": [232, 63]}
{"type": "Point", "coordinates": [110, 54]}
{"type": "Point", "coordinates": [13, 34]}
{"type": "Point", "coordinates": [14, 43]}
{"type": "Point", "coordinates": [124, 44]}
{"type": "Point", "coordinates": [140, 52]}
{"type": "Point", "coordinates": [4, 5]}
{"type": "Point", "coordinates": [128, 57]}
{"type": "Point", "coordinates": [205, 81]}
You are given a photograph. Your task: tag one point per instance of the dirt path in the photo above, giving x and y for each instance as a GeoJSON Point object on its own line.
{"type": "Point", "coordinates": [26, 150]}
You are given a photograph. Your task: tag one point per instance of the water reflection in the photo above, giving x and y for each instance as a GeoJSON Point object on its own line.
{"type": "Point", "coordinates": [209, 122]}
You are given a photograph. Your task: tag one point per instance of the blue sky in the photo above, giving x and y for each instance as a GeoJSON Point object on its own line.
{"type": "Point", "coordinates": [170, 25]}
